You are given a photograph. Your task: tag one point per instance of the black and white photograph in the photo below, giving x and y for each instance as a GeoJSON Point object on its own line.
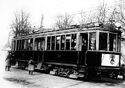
{"type": "Point", "coordinates": [62, 44]}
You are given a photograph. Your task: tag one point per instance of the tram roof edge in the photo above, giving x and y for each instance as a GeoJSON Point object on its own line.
{"type": "Point", "coordinates": [103, 27]}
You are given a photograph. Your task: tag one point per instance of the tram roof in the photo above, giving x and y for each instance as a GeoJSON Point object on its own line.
{"type": "Point", "coordinates": [108, 28]}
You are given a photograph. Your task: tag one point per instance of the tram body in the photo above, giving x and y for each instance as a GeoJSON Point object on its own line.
{"type": "Point", "coordinates": [91, 51]}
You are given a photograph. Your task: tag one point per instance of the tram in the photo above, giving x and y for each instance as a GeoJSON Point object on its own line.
{"type": "Point", "coordinates": [87, 51]}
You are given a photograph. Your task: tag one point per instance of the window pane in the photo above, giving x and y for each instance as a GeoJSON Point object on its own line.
{"type": "Point", "coordinates": [53, 43]}
{"type": "Point", "coordinates": [30, 44]}
{"type": "Point", "coordinates": [112, 42]}
{"type": "Point", "coordinates": [38, 44]}
{"type": "Point", "coordinates": [20, 48]}
{"type": "Point", "coordinates": [42, 42]}
{"type": "Point", "coordinates": [25, 44]}
{"type": "Point", "coordinates": [92, 41]}
{"type": "Point", "coordinates": [84, 41]}
{"type": "Point", "coordinates": [57, 42]}
{"type": "Point", "coordinates": [68, 38]}
{"type": "Point", "coordinates": [103, 41]}
{"type": "Point", "coordinates": [63, 42]}
{"type": "Point", "coordinates": [22, 44]}
{"type": "Point", "coordinates": [48, 43]}
{"type": "Point", "coordinates": [14, 44]}
{"type": "Point", "coordinates": [73, 42]}
{"type": "Point", "coordinates": [119, 43]}
{"type": "Point", "coordinates": [17, 45]}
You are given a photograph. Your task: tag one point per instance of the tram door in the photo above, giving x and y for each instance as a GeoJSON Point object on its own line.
{"type": "Point", "coordinates": [84, 44]}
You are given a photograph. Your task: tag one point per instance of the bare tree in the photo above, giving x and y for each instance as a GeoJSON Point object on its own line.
{"type": "Point", "coordinates": [112, 14]}
{"type": "Point", "coordinates": [97, 15]}
{"type": "Point", "coordinates": [102, 12]}
{"type": "Point", "coordinates": [21, 24]}
{"type": "Point", "coordinates": [63, 22]}
{"type": "Point", "coordinates": [85, 17]}
{"type": "Point", "coordinates": [121, 12]}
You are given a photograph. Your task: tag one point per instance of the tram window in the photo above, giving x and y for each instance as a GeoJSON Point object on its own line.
{"type": "Point", "coordinates": [92, 41]}
{"type": "Point", "coordinates": [17, 44]}
{"type": "Point", "coordinates": [15, 48]}
{"type": "Point", "coordinates": [53, 43]}
{"type": "Point", "coordinates": [73, 42]}
{"type": "Point", "coordinates": [22, 44]}
{"type": "Point", "coordinates": [13, 45]}
{"type": "Point", "coordinates": [68, 38]}
{"type": "Point", "coordinates": [57, 42]}
{"type": "Point", "coordinates": [103, 41]}
{"type": "Point", "coordinates": [25, 44]}
{"type": "Point", "coordinates": [30, 44]}
{"type": "Point", "coordinates": [39, 44]}
{"type": "Point", "coordinates": [62, 42]}
{"type": "Point", "coordinates": [112, 42]}
{"type": "Point", "coordinates": [19, 47]}
{"type": "Point", "coordinates": [42, 43]}
{"type": "Point", "coordinates": [48, 43]}
{"type": "Point", "coordinates": [84, 41]}
{"type": "Point", "coordinates": [119, 43]}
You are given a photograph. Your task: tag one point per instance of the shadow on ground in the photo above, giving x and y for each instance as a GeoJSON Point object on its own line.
{"type": "Point", "coordinates": [107, 81]}
{"type": "Point", "coordinates": [19, 81]}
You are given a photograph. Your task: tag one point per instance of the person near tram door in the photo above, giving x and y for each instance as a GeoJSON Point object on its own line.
{"type": "Point", "coordinates": [31, 67]}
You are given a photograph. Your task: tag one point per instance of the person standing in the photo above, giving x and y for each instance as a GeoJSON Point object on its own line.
{"type": "Point", "coordinates": [31, 67]}
{"type": "Point", "coordinates": [8, 63]}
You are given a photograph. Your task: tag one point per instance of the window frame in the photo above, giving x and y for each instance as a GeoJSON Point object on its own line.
{"type": "Point", "coordinates": [96, 43]}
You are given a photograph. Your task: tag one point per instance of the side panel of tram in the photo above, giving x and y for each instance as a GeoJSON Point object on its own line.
{"type": "Point", "coordinates": [93, 49]}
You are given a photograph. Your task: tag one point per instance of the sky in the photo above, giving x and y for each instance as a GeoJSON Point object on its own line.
{"type": "Point", "coordinates": [49, 8]}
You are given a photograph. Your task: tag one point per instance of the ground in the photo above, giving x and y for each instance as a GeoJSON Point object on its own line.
{"type": "Point", "coordinates": [17, 78]}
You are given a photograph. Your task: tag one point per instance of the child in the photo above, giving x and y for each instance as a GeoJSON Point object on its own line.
{"type": "Point", "coordinates": [31, 67]}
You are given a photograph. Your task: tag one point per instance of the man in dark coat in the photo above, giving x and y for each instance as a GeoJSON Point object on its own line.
{"type": "Point", "coordinates": [8, 63]}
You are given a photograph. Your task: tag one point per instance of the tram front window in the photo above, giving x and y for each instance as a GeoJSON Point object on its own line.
{"type": "Point", "coordinates": [112, 42]}
{"type": "Point", "coordinates": [103, 41]}
{"type": "Point", "coordinates": [107, 42]}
